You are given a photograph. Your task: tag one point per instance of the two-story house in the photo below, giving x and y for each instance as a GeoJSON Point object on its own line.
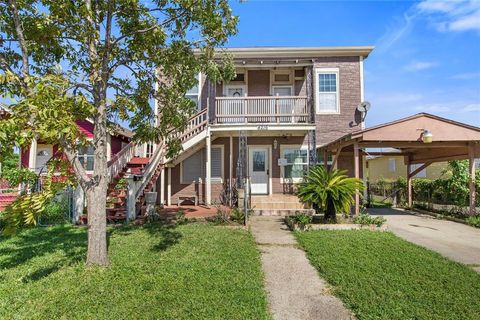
{"type": "Point", "coordinates": [267, 123]}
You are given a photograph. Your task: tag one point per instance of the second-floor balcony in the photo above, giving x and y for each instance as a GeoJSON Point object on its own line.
{"type": "Point", "coordinates": [268, 110]}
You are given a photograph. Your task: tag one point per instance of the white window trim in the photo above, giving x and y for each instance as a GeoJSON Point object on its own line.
{"type": "Point", "coordinates": [283, 86]}
{"type": "Point", "coordinates": [229, 86]}
{"type": "Point", "coordinates": [284, 180]}
{"type": "Point", "coordinates": [199, 94]}
{"type": "Point", "coordinates": [78, 155]}
{"type": "Point", "coordinates": [288, 71]}
{"type": "Point", "coordinates": [317, 89]}
{"type": "Point", "coordinates": [214, 180]}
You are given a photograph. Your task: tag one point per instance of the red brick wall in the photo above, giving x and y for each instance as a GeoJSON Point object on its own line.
{"type": "Point", "coordinates": [333, 126]}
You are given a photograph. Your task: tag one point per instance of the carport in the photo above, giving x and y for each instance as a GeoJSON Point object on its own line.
{"type": "Point", "coordinates": [422, 139]}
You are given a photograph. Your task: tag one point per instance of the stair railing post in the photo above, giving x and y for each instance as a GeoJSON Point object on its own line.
{"type": "Point", "coordinates": [131, 201]}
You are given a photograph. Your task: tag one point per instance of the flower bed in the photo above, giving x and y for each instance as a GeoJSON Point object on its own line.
{"type": "Point", "coordinates": [363, 222]}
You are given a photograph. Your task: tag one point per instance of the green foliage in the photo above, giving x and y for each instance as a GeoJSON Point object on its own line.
{"type": "Point", "coordinates": [66, 61]}
{"type": "Point", "coordinates": [55, 212]}
{"type": "Point", "coordinates": [301, 219]}
{"type": "Point", "coordinates": [27, 208]}
{"type": "Point", "coordinates": [474, 221]}
{"type": "Point", "coordinates": [193, 271]}
{"type": "Point", "coordinates": [237, 216]}
{"type": "Point", "coordinates": [180, 217]}
{"type": "Point", "coordinates": [366, 219]}
{"type": "Point", "coordinates": [380, 276]}
{"type": "Point", "coordinates": [330, 191]}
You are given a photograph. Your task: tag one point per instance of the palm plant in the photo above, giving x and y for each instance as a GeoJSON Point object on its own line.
{"type": "Point", "coordinates": [329, 191]}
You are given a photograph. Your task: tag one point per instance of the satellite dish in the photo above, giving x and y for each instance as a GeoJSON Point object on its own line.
{"type": "Point", "coordinates": [364, 106]}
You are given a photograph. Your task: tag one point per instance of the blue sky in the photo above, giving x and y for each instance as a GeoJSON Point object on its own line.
{"type": "Point", "coordinates": [427, 55]}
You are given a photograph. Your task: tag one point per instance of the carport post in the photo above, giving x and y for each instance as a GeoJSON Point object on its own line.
{"type": "Point", "coordinates": [471, 158]}
{"type": "Point", "coordinates": [409, 184]}
{"type": "Point", "coordinates": [356, 157]}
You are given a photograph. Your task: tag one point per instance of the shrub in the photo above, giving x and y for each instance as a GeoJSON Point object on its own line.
{"type": "Point", "coordinates": [180, 217]}
{"type": "Point", "coordinates": [330, 191]}
{"type": "Point", "coordinates": [301, 219]}
{"type": "Point", "coordinates": [474, 221]}
{"type": "Point", "coordinates": [237, 215]}
{"type": "Point", "coordinates": [366, 219]}
{"type": "Point", "coordinates": [55, 212]}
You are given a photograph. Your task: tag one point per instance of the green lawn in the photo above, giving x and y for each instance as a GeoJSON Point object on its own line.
{"type": "Point", "coordinates": [189, 272]}
{"type": "Point", "coordinates": [380, 276]}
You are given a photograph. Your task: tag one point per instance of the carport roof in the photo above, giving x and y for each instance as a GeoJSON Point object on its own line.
{"type": "Point", "coordinates": [452, 140]}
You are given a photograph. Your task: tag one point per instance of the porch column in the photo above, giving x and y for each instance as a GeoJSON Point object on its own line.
{"type": "Point", "coordinates": [230, 164]}
{"type": "Point", "coordinates": [356, 158]}
{"type": "Point", "coordinates": [169, 187]}
{"type": "Point", "coordinates": [162, 187]}
{"type": "Point", "coordinates": [208, 173]}
{"type": "Point", "coordinates": [109, 146]}
{"type": "Point", "coordinates": [471, 156]}
{"type": "Point", "coordinates": [409, 184]}
{"type": "Point", "coordinates": [78, 203]}
{"type": "Point", "coordinates": [32, 156]}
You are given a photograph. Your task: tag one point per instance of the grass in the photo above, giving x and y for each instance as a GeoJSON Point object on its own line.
{"type": "Point", "coordinates": [380, 276]}
{"type": "Point", "coordinates": [189, 272]}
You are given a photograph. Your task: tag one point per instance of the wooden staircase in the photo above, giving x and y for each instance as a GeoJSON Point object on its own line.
{"type": "Point", "coordinates": [148, 170]}
{"type": "Point", "coordinates": [117, 192]}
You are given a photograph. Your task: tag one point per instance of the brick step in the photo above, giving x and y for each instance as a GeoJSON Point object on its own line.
{"type": "Point", "coordinates": [281, 212]}
{"type": "Point", "coordinates": [277, 206]}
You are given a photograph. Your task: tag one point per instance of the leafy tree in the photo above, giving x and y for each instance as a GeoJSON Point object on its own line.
{"type": "Point", "coordinates": [105, 60]}
{"type": "Point", "coordinates": [329, 191]}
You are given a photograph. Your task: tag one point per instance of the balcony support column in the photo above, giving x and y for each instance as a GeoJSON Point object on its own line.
{"type": "Point", "coordinates": [208, 171]}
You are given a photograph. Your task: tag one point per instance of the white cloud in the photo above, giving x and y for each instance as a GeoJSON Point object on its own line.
{"type": "Point", "coordinates": [452, 15]}
{"type": "Point", "coordinates": [466, 76]}
{"type": "Point", "coordinates": [444, 16]}
{"type": "Point", "coordinates": [473, 107]}
{"type": "Point", "coordinates": [432, 109]}
{"type": "Point", "coordinates": [419, 65]}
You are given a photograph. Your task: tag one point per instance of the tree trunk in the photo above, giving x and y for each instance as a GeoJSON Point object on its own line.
{"type": "Point", "coordinates": [97, 225]}
{"type": "Point", "coordinates": [330, 214]}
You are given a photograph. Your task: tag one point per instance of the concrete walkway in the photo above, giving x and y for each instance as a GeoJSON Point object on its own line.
{"type": "Point", "coordinates": [294, 288]}
{"type": "Point", "coordinates": [454, 240]}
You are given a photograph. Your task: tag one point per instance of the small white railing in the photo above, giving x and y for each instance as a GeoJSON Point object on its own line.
{"type": "Point", "coordinates": [120, 160]}
{"type": "Point", "coordinates": [287, 109]}
{"type": "Point", "coordinates": [149, 170]}
{"type": "Point", "coordinates": [195, 125]}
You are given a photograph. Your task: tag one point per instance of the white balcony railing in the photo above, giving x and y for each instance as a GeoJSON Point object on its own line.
{"type": "Point", "coordinates": [261, 110]}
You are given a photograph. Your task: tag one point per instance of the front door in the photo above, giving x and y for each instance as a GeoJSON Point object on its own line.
{"type": "Point", "coordinates": [258, 168]}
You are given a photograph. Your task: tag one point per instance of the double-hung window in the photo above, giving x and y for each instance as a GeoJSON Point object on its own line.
{"type": "Point", "coordinates": [85, 155]}
{"type": "Point", "coordinates": [296, 162]}
{"type": "Point", "coordinates": [327, 97]}
{"type": "Point", "coordinates": [193, 168]}
{"type": "Point", "coordinates": [194, 93]}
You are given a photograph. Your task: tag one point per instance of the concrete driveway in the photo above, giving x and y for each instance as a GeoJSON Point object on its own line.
{"type": "Point", "coordinates": [454, 240]}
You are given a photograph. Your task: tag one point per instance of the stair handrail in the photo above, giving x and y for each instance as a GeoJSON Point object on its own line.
{"type": "Point", "coordinates": [120, 160]}
{"type": "Point", "coordinates": [196, 122]}
{"type": "Point", "coordinates": [149, 169]}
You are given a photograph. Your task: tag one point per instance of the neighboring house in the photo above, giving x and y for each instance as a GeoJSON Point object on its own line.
{"type": "Point", "coordinates": [267, 123]}
{"type": "Point", "coordinates": [390, 166]}
{"type": "Point", "coordinates": [37, 155]}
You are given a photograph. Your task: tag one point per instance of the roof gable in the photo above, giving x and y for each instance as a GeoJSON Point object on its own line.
{"type": "Point", "coordinates": [411, 128]}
